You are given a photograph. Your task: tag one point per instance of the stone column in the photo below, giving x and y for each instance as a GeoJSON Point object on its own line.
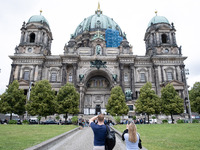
{"type": "Point", "coordinates": [182, 67]}
{"type": "Point", "coordinates": [176, 72]}
{"type": "Point", "coordinates": [81, 101]}
{"type": "Point", "coordinates": [22, 37]}
{"type": "Point", "coordinates": [74, 73]}
{"type": "Point", "coordinates": [132, 77]}
{"type": "Point", "coordinates": [174, 38]}
{"type": "Point", "coordinates": [36, 73]}
{"type": "Point", "coordinates": [121, 66]}
{"type": "Point", "coordinates": [155, 67]}
{"type": "Point", "coordinates": [33, 76]}
{"type": "Point", "coordinates": [157, 39]}
{"type": "Point", "coordinates": [39, 35]}
{"type": "Point", "coordinates": [19, 70]}
{"type": "Point", "coordinates": [162, 76]}
{"type": "Point", "coordinates": [40, 72]}
{"type": "Point", "coordinates": [30, 72]}
{"type": "Point", "coordinates": [26, 37]}
{"type": "Point", "coordinates": [13, 66]}
{"type": "Point", "coordinates": [64, 74]}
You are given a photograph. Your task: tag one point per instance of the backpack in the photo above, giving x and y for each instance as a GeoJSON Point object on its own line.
{"type": "Point", "coordinates": [110, 139]}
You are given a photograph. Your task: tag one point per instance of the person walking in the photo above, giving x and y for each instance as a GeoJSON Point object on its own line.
{"type": "Point", "coordinates": [131, 137]}
{"type": "Point", "coordinates": [100, 132]}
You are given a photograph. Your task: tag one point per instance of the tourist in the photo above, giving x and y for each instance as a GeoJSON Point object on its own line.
{"type": "Point", "coordinates": [141, 121]}
{"type": "Point", "coordinates": [131, 137]}
{"type": "Point", "coordinates": [100, 132]}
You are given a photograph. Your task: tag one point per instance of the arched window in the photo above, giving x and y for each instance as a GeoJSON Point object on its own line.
{"type": "Point", "coordinates": [164, 38]}
{"type": "Point", "coordinates": [70, 77]}
{"type": "Point", "coordinates": [100, 83]}
{"type": "Point", "coordinates": [169, 76]}
{"type": "Point", "coordinates": [169, 72]}
{"type": "Point", "coordinates": [26, 75]}
{"type": "Point", "coordinates": [54, 77]}
{"type": "Point", "coordinates": [32, 37]}
{"type": "Point", "coordinates": [126, 77]}
{"type": "Point", "coordinates": [142, 77]}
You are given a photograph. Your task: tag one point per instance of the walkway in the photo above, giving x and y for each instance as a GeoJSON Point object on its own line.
{"type": "Point", "coordinates": [83, 140]}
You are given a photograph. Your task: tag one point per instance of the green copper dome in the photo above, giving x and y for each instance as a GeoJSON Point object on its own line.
{"type": "Point", "coordinates": [96, 22]}
{"type": "Point", "coordinates": [38, 18]}
{"type": "Point", "coordinates": [158, 19]}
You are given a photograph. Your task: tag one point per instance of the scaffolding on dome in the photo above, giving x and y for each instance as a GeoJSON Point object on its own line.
{"type": "Point", "coordinates": [112, 38]}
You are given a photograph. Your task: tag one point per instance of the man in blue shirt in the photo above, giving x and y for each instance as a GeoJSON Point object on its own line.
{"type": "Point", "coordinates": [99, 130]}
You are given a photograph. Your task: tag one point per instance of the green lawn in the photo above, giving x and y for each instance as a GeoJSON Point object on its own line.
{"type": "Point", "coordinates": [168, 136]}
{"type": "Point", "coordinates": [19, 137]}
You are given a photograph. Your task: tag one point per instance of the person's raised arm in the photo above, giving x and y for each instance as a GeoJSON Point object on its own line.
{"type": "Point", "coordinates": [92, 119]}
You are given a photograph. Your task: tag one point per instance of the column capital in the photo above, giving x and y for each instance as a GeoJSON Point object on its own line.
{"type": "Point", "coordinates": [131, 65]}
{"type": "Point", "coordinates": [121, 66]}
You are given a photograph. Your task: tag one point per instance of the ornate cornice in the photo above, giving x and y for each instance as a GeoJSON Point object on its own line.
{"type": "Point", "coordinates": [168, 60]}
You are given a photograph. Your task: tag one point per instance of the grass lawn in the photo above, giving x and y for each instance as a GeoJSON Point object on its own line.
{"type": "Point", "coordinates": [168, 136]}
{"type": "Point", "coordinates": [19, 137]}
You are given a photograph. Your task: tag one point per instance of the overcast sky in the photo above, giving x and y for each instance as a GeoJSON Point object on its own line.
{"type": "Point", "coordinates": [132, 16]}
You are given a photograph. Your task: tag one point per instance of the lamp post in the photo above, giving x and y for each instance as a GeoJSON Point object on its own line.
{"type": "Point", "coordinates": [186, 71]}
{"type": "Point", "coordinates": [28, 97]}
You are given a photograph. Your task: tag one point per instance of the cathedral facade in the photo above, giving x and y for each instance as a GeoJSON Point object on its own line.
{"type": "Point", "coordinates": [93, 67]}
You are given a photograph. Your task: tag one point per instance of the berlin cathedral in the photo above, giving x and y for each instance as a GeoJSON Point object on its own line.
{"type": "Point", "coordinates": [94, 67]}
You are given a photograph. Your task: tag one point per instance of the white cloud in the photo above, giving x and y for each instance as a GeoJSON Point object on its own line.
{"type": "Point", "coordinates": [132, 16]}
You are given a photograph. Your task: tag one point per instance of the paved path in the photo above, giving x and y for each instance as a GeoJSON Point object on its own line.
{"type": "Point", "coordinates": [83, 140]}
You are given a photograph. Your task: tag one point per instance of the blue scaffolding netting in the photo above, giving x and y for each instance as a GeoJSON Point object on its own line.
{"type": "Point", "coordinates": [112, 38]}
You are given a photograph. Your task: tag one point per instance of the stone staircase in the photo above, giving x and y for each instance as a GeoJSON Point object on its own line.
{"type": "Point", "coordinates": [87, 117]}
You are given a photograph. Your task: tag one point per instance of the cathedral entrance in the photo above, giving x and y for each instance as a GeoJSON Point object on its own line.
{"type": "Point", "coordinates": [98, 109]}
{"type": "Point", "coordinates": [97, 92]}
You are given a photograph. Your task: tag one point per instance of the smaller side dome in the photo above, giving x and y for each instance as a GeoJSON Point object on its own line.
{"type": "Point", "coordinates": [158, 19]}
{"type": "Point", "coordinates": [38, 18]}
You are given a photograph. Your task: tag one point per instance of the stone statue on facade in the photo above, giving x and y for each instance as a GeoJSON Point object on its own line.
{"type": "Point", "coordinates": [98, 50]}
{"type": "Point", "coordinates": [16, 49]}
{"type": "Point", "coordinates": [180, 50]}
{"type": "Point", "coordinates": [81, 76]}
{"type": "Point", "coordinates": [128, 95]}
{"type": "Point", "coordinates": [114, 77]}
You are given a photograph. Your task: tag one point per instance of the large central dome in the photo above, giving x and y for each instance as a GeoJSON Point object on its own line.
{"type": "Point", "coordinates": [96, 22]}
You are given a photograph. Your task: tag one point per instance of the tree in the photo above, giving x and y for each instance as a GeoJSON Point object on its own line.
{"type": "Point", "coordinates": [148, 102]}
{"type": "Point", "coordinates": [67, 100]}
{"type": "Point", "coordinates": [171, 101]}
{"type": "Point", "coordinates": [41, 101]}
{"type": "Point", "coordinates": [13, 100]}
{"type": "Point", "coordinates": [194, 95]}
{"type": "Point", "coordinates": [116, 102]}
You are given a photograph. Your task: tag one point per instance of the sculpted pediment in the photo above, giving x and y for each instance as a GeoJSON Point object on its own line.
{"type": "Point", "coordinates": [23, 82]}
{"type": "Point", "coordinates": [32, 26]}
{"type": "Point", "coordinates": [176, 84]}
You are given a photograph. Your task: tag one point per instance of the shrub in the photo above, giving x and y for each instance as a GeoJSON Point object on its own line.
{"type": "Point", "coordinates": [134, 117]}
{"type": "Point", "coordinates": [180, 121]}
{"type": "Point", "coordinates": [57, 117]}
{"type": "Point", "coordinates": [39, 118]}
{"type": "Point", "coordinates": [164, 121]}
{"type": "Point", "coordinates": [117, 119]}
{"type": "Point", "coordinates": [75, 119]}
{"type": "Point", "coordinates": [195, 121]}
{"type": "Point", "coordinates": [12, 122]}
{"type": "Point", "coordinates": [25, 122]}
{"type": "Point", "coordinates": [153, 117]}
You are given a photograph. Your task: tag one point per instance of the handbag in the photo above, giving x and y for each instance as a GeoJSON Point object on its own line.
{"type": "Point", "coordinates": [140, 142]}
{"type": "Point", "coordinates": [110, 139]}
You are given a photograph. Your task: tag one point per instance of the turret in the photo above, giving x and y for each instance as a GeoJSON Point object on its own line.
{"type": "Point", "coordinates": [160, 37]}
{"type": "Point", "coordinates": [36, 37]}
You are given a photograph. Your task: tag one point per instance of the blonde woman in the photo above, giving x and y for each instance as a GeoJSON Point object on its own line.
{"type": "Point", "coordinates": [131, 137]}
